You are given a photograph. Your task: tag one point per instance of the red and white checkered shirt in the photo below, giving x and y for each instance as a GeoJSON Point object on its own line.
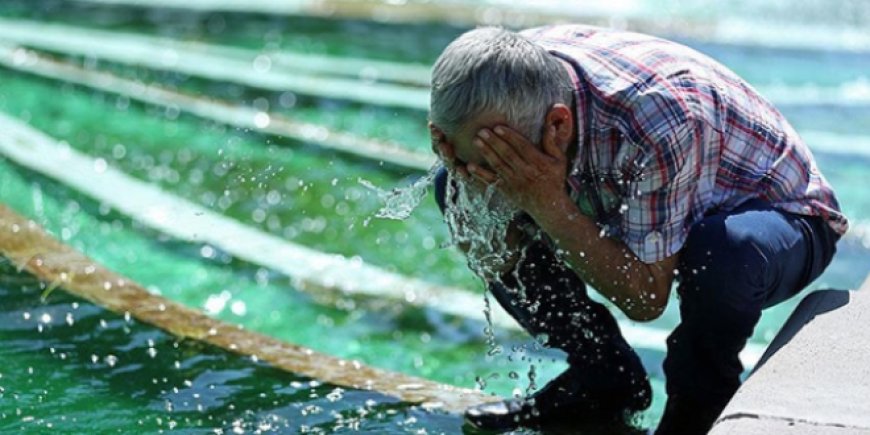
{"type": "Point", "coordinates": [667, 135]}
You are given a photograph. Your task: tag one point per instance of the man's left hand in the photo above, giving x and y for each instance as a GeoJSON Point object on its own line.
{"type": "Point", "coordinates": [532, 178]}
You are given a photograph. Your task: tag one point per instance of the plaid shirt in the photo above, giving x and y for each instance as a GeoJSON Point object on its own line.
{"type": "Point", "coordinates": [667, 135]}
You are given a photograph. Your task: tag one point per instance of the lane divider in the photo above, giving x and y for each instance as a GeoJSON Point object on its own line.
{"type": "Point", "coordinates": [29, 247]}
{"type": "Point", "coordinates": [310, 270]}
{"type": "Point", "coordinates": [31, 62]}
{"type": "Point", "coordinates": [353, 79]}
{"type": "Point", "coordinates": [798, 32]}
{"type": "Point", "coordinates": [254, 69]}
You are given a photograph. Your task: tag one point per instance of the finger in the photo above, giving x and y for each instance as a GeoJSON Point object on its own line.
{"type": "Point", "coordinates": [495, 161]}
{"type": "Point", "coordinates": [482, 174]}
{"type": "Point", "coordinates": [515, 139]}
{"type": "Point", "coordinates": [549, 144]}
{"type": "Point", "coordinates": [506, 151]}
{"type": "Point", "coordinates": [459, 171]}
{"type": "Point", "coordinates": [531, 154]}
{"type": "Point", "coordinates": [463, 172]}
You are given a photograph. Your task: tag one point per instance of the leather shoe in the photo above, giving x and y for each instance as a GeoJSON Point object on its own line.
{"type": "Point", "coordinates": [564, 401]}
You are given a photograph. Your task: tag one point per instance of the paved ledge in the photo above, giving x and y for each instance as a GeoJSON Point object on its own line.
{"type": "Point", "coordinates": [774, 426]}
{"type": "Point", "coordinates": [815, 377]}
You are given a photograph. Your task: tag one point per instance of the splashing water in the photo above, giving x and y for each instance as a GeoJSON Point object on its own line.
{"type": "Point", "coordinates": [478, 220]}
{"type": "Point", "coordinates": [400, 202]}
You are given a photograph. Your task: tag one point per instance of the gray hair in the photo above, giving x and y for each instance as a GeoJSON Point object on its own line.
{"type": "Point", "coordinates": [495, 70]}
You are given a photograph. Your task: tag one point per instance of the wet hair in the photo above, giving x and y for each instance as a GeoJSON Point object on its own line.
{"type": "Point", "coordinates": [493, 70]}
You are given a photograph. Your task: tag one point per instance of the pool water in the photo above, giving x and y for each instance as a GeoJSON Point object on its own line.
{"type": "Point", "coordinates": [97, 370]}
{"type": "Point", "coordinates": [83, 368]}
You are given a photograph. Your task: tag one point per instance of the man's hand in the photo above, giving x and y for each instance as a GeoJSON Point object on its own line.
{"type": "Point", "coordinates": [446, 151]}
{"type": "Point", "coordinates": [532, 178]}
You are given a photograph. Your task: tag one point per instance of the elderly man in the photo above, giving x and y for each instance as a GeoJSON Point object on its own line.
{"type": "Point", "coordinates": [631, 163]}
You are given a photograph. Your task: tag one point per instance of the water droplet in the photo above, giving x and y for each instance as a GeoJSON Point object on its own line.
{"type": "Point", "coordinates": [262, 120]}
{"type": "Point", "coordinates": [262, 63]}
{"type": "Point", "coordinates": [100, 165]}
{"type": "Point", "coordinates": [481, 383]}
{"type": "Point", "coordinates": [335, 395]}
{"type": "Point", "coordinates": [238, 308]}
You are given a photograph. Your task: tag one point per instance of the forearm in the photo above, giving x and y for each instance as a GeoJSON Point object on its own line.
{"type": "Point", "coordinates": [637, 288]}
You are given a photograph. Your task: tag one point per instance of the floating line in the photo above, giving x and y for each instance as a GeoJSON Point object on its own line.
{"type": "Point", "coordinates": [254, 70]}
{"type": "Point", "coordinates": [28, 247]}
{"type": "Point", "coordinates": [848, 94]}
{"type": "Point", "coordinates": [358, 68]}
{"type": "Point", "coordinates": [695, 23]}
{"type": "Point", "coordinates": [288, 71]}
{"type": "Point", "coordinates": [31, 62]}
{"type": "Point", "coordinates": [310, 270]}
{"type": "Point", "coordinates": [835, 143]}
{"type": "Point", "coordinates": [239, 116]}
{"type": "Point", "coordinates": [351, 79]}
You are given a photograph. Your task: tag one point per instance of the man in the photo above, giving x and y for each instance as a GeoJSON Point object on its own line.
{"type": "Point", "coordinates": [633, 163]}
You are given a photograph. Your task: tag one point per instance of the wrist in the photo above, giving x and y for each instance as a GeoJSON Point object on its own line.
{"type": "Point", "coordinates": [557, 212]}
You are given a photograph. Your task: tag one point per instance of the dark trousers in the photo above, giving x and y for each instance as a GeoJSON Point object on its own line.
{"type": "Point", "coordinates": [733, 265]}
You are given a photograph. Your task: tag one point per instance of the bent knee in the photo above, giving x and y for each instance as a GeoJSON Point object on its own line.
{"type": "Point", "coordinates": [718, 254]}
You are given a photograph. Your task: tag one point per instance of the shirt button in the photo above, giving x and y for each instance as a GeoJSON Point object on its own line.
{"type": "Point", "coordinates": [653, 238]}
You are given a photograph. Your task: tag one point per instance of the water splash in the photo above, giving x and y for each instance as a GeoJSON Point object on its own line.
{"type": "Point", "coordinates": [400, 202]}
{"type": "Point", "coordinates": [478, 220]}
{"type": "Point", "coordinates": [533, 376]}
{"type": "Point", "coordinates": [488, 331]}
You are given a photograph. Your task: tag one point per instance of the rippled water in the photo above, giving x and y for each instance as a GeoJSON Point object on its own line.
{"type": "Point", "coordinates": [78, 367]}
{"type": "Point", "coordinates": [118, 374]}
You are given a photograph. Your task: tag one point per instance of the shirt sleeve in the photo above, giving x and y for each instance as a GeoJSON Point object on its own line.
{"type": "Point", "coordinates": [664, 178]}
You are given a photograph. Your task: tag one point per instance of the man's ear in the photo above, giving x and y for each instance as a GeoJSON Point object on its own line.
{"type": "Point", "coordinates": [561, 117]}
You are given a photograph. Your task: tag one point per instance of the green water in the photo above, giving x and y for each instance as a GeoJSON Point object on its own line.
{"type": "Point", "coordinates": [303, 194]}
{"type": "Point", "coordinates": [78, 367]}
{"type": "Point", "coordinates": [422, 343]}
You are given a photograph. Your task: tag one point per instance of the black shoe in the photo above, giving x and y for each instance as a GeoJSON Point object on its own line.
{"type": "Point", "coordinates": [565, 401]}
